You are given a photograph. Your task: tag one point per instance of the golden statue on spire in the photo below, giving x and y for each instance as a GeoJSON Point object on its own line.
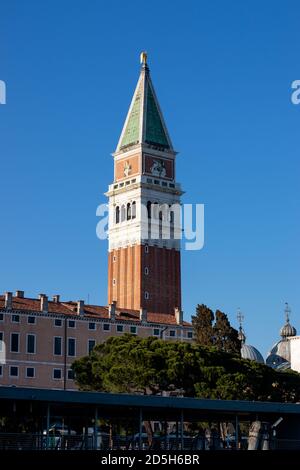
{"type": "Point", "coordinates": [143, 58]}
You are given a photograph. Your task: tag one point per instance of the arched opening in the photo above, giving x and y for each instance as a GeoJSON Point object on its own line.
{"type": "Point", "coordinates": [149, 209]}
{"type": "Point", "coordinates": [128, 211]}
{"type": "Point", "coordinates": [133, 210]}
{"type": "Point", "coordinates": [117, 215]}
{"type": "Point", "coordinates": [172, 225]}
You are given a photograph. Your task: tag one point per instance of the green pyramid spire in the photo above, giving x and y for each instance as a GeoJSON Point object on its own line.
{"type": "Point", "coordinates": [155, 133]}
{"type": "Point", "coordinates": [144, 123]}
{"type": "Point", "coordinates": [132, 130]}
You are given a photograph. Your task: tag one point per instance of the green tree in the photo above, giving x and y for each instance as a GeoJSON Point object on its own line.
{"type": "Point", "coordinates": [215, 330]}
{"type": "Point", "coordinates": [203, 325]}
{"type": "Point", "coordinates": [225, 336]}
{"type": "Point", "coordinates": [130, 364]}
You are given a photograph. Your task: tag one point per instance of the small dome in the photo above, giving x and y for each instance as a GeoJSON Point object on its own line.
{"type": "Point", "coordinates": [288, 330]}
{"type": "Point", "coordinates": [279, 355]}
{"type": "Point", "coordinates": [241, 336]}
{"type": "Point", "coordinates": [250, 352]}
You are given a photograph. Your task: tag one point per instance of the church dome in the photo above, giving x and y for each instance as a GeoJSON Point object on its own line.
{"type": "Point", "coordinates": [250, 352]}
{"type": "Point", "coordinates": [288, 330]}
{"type": "Point", "coordinates": [241, 336]}
{"type": "Point", "coordinates": [280, 355]}
{"type": "Point", "coordinates": [247, 351]}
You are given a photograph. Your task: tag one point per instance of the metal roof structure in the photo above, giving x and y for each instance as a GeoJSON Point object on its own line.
{"type": "Point", "coordinates": [112, 400]}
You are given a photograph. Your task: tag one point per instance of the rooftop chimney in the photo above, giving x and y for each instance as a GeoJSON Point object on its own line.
{"type": "Point", "coordinates": [143, 315]}
{"type": "Point", "coordinates": [178, 316]}
{"type": "Point", "coordinates": [20, 294]}
{"type": "Point", "coordinates": [80, 307]}
{"type": "Point", "coordinates": [44, 303]}
{"type": "Point", "coordinates": [56, 299]}
{"type": "Point", "coordinates": [112, 310]}
{"type": "Point", "coordinates": [8, 300]}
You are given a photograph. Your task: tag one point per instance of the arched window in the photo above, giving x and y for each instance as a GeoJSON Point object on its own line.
{"type": "Point", "coordinates": [149, 209]}
{"type": "Point", "coordinates": [128, 215]}
{"type": "Point", "coordinates": [172, 218]}
{"type": "Point", "coordinates": [122, 213]}
{"type": "Point", "coordinates": [117, 214]}
{"type": "Point", "coordinates": [133, 210]}
{"type": "Point", "coordinates": [146, 295]}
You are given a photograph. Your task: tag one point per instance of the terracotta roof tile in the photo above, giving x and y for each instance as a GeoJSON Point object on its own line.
{"type": "Point", "coordinates": [93, 311]}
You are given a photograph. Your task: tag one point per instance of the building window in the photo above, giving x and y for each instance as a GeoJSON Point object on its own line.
{"type": "Point", "coordinates": [70, 374]}
{"type": "Point", "coordinates": [114, 259]}
{"type": "Point", "coordinates": [106, 327]}
{"type": "Point", "coordinates": [114, 282]}
{"type": "Point", "coordinates": [133, 330]}
{"type": "Point", "coordinates": [57, 347]}
{"type": "Point", "coordinates": [149, 209]}
{"type": "Point", "coordinates": [92, 325]}
{"type": "Point", "coordinates": [57, 374]}
{"type": "Point", "coordinates": [146, 271]}
{"type": "Point", "coordinates": [156, 332]}
{"type": "Point", "coordinates": [117, 214]}
{"type": "Point", "coordinates": [71, 347]}
{"type": "Point", "coordinates": [1, 370]}
{"type": "Point", "coordinates": [30, 372]}
{"type": "Point", "coordinates": [57, 322]}
{"type": "Point", "coordinates": [31, 320]}
{"type": "Point", "coordinates": [1, 317]}
{"type": "Point", "coordinates": [120, 328]}
{"type": "Point", "coordinates": [190, 334]}
{"type": "Point", "coordinates": [172, 333]}
{"type": "Point", "coordinates": [133, 210]}
{"type": "Point", "coordinates": [1, 341]}
{"type": "Point", "coordinates": [146, 249]}
{"type": "Point", "coordinates": [128, 216]}
{"type": "Point", "coordinates": [71, 323]}
{"type": "Point", "coordinates": [91, 344]}
{"type": "Point", "coordinates": [14, 371]}
{"type": "Point", "coordinates": [14, 342]}
{"type": "Point", "coordinates": [15, 318]}
{"type": "Point", "coordinates": [30, 344]}
{"type": "Point", "coordinates": [146, 295]}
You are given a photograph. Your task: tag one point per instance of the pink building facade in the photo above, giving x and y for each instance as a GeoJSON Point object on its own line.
{"type": "Point", "coordinates": [41, 338]}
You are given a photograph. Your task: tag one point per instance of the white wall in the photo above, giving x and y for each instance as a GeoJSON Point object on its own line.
{"type": "Point", "coordinates": [295, 353]}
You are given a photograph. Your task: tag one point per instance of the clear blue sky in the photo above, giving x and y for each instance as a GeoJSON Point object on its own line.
{"type": "Point", "coordinates": [222, 71]}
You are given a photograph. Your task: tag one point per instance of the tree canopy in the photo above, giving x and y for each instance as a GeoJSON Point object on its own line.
{"type": "Point", "coordinates": [219, 334]}
{"type": "Point", "coordinates": [130, 364]}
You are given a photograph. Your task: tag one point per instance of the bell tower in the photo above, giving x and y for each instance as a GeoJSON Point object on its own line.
{"type": "Point", "coordinates": [143, 258]}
